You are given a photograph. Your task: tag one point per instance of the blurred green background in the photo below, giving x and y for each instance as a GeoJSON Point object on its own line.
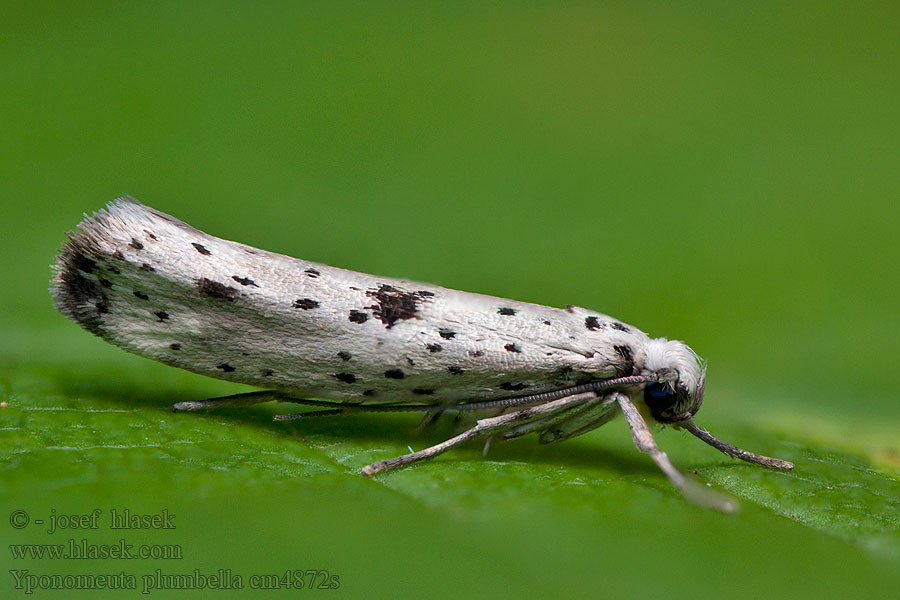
{"type": "Point", "coordinates": [722, 173]}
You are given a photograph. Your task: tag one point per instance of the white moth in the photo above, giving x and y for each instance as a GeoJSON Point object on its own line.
{"type": "Point", "coordinates": [351, 342]}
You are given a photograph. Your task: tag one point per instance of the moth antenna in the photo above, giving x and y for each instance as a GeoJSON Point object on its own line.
{"type": "Point", "coordinates": [734, 451]}
{"type": "Point", "coordinates": [660, 376]}
{"type": "Point", "coordinates": [643, 439]}
{"type": "Point", "coordinates": [343, 408]}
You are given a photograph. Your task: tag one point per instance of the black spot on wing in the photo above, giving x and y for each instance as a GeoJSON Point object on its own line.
{"type": "Point", "coordinates": [393, 304]}
{"type": "Point", "coordinates": [217, 290]}
{"type": "Point", "coordinates": [628, 357]}
{"type": "Point", "coordinates": [508, 312]}
{"type": "Point", "coordinates": [344, 355]}
{"type": "Point", "coordinates": [83, 263]}
{"type": "Point", "coordinates": [175, 347]}
{"type": "Point", "coordinates": [105, 283]}
{"type": "Point", "coordinates": [162, 315]}
{"type": "Point", "coordinates": [454, 370]}
{"type": "Point", "coordinates": [147, 267]}
{"type": "Point", "coordinates": [423, 392]}
{"type": "Point", "coordinates": [512, 348]}
{"type": "Point", "coordinates": [312, 273]}
{"type": "Point", "coordinates": [83, 299]}
{"type": "Point", "coordinates": [593, 323]}
{"type": "Point", "coordinates": [433, 348]}
{"type": "Point", "coordinates": [619, 326]}
{"type": "Point", "coordinates": [150, 235]}
{"type": "Point", "coordinates": [476, 353]}
{"type": "Point", "coordinates": [624, 351]}
{"type": "Point", "coordinates": [512, 387]}
{"type": "Point", "coordinates": [306, 303]}
{"type": "Point", "coordinates": [201, 249]}
{"type": "Point", "coordinates": [140, 294]}
{"type": "Point", "coordinates": [447, 334]}
{"type": "Point", "coordinates": [357, 316]}
{"type": "Point", "coordinates": [345, 377]}
{"type": "Point", "coordinates": [244, 280]}
{"type": "Point", "coordinates": [267, 372]}
{"type": "Point", "coordinates": [226, 368]}
{"type": "Point", "coordinates": [394, 374]}
{"type": "Point", "coordinates": [136, 244]}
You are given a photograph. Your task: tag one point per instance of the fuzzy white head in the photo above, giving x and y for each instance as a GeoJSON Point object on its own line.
{"type": "Point", "coordinates": [674, 401]}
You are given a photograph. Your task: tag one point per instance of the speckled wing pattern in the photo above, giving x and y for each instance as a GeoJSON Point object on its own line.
{"type": "Point", "coordinates": [315, 334]}
{"type": "Point", "coordinates": [159, 288]}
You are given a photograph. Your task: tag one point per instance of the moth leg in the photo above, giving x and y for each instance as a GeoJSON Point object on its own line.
{"type": "Point", "coordinates": [644, 441]}
{"type": "Point", "coordinates": [251, 398]}
{"type": "Point", "coordinates": [482, 427]}
{"type": "Point", "coordinates": [561, 416]}
{"type": "Point", "coordinates": [428, 420]}
{"type": "Point", "coordinates": [227, 401]}
{"type": "Point", "coordinates": [598, 414]}
{"type": "Point", "coordinates": [734, 451]}
{"type": "Point", "coordinates": [345, 408]}
{"type": "Point", "coordinates": [432, 411]}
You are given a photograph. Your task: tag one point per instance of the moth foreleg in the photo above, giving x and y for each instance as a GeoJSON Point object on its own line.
{"type": "Point", "coordinates": [482, 427]}
{"type": "Point", "coordinates": [734, 451]}
{"type": "Point", "coordinates": [644, 441]}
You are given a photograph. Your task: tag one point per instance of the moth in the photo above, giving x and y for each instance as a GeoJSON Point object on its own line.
{"type": "Point", "coordinates": [347, 342]}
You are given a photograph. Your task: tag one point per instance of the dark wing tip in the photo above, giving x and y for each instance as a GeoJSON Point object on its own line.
{"type": "Point", "coordinates": [76, 284]}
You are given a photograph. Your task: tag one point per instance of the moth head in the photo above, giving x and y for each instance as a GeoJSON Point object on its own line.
{"type": "Point", "coordinates": [678, 399]}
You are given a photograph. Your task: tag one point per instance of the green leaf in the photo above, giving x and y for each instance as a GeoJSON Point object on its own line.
{"type": "Point", "coordinates": [259, 496]}
{"type": "Point", "coordinates": [723, 173]}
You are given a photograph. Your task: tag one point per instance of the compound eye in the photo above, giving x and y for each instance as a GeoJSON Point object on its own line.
{"type": "Point", "coordinates": [660, 399]}
{"type": "Point", "coordinates": [657, 390]}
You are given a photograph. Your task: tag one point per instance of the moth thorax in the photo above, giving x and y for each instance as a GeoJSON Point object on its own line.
{"type": "Point", "coordinates": [674, 401]}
